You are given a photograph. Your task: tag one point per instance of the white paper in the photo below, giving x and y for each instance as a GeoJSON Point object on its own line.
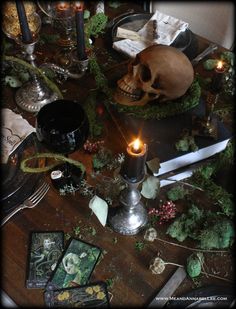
{"type": "Point", "coordinates": [168, 28]}
{"type": "Point", "coordinates": [14, 130]}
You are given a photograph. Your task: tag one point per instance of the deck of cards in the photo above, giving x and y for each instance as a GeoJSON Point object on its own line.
{"type": "Point", "coordinates": [64, 273]}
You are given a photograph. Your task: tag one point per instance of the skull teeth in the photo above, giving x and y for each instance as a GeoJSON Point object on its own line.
{"type": "Point", "coordinates": [128, 94]}
{"type": "Point", "coordinates": [125, 87]}
{"type": "Point", "coordinates": [127, 90]}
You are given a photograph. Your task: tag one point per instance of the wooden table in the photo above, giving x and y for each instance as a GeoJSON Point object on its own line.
{"type": "Point", "coordinates": [128, 268]}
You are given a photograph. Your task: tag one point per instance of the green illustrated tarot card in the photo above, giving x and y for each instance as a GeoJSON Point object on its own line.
{"type": "Point", "coordinates": [45, 250]}
{"type": "Point", "coordinates": [75, 266]}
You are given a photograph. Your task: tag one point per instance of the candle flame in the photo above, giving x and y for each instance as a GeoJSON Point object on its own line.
{"type": "Point", "coordinates": [62, 6]}
{"type": "Point", "coordinates": [219, 65]}
{"type": "Point", "coordinates": [79, 6]}
{"type": "Point", "coordinates": [136, 144]}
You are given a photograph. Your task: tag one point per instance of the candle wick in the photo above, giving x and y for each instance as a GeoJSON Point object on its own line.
{"type": "Point", "coordinates": [135, 150]}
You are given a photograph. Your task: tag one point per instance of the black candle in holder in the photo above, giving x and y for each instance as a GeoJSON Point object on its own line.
{"type": "Point", "coordinates": [25, 30]}
{"type": "Point", "coordinates": [133, 168]}
{"type": "Point", "coordinates": [216, 84]}
{"type": "Point", "coordinates": [132, 216]}
{"type": "Point", "coordinates": [79, 20]}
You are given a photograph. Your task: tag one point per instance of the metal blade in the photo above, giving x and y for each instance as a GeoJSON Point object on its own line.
{"type": "Point", "coordinates": [168, 289]}
{"type": "Point", "coordinates": [206, 52]}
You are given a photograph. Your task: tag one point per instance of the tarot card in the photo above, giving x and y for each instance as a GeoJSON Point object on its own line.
{"type": "Point", "coordinates": [91, 295]}
{"type": "Point", "coordinates": [44, 252]}
{"type": "Point", "coordinates": [75, 266]}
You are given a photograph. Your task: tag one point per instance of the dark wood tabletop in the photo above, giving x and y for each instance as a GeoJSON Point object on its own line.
{"type": "Point", "coordinates": [122, 265]}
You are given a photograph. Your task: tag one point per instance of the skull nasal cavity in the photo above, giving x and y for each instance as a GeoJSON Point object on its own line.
{"type": "Point", "coordinates": [145, 73]}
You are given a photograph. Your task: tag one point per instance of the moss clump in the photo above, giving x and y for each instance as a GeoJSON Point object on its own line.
{"type": "Point", "coordinates": [194, 264]}
{"type": "Point", "coordinates": [219, 235]}
{"type": "Point", "coordinates": [170, 108]}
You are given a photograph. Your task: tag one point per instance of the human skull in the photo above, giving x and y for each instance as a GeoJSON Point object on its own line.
{"type": "Point", "coordinates": [158, 72]}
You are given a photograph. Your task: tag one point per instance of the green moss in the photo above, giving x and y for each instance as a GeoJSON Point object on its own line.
{"type": "Point", "coordinates": [177, 193]}
{"type": "Point", "coordinates": [218, 236]}
{"type": "Point", "coordinates": [186, 225]}
{"type": "Point", "coordinates": [194, 264]}
{"type": "Point", "coordinates": [167, 109]}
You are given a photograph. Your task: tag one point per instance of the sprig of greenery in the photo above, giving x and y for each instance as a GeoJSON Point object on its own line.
{"type": "Point", "coordinates": [28, 67]}
{"type": "Point", "coordinates": [218, 194]}
{"type": "Point", "coordinates": [109, 282]}
{"type": "Point", "coordinates": [95, 26]}
{"type": "Point", "coordinates": [95, 125]}
{"type": "Point", "coordinates": [139, 245]}
{"type": "Point", "coordinates": [100, 78]}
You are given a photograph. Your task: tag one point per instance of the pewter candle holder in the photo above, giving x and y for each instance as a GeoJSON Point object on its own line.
{"type": "Point", "coordinates": [131, 216]}
{"type": "Point", "coordinates": [33, 94]}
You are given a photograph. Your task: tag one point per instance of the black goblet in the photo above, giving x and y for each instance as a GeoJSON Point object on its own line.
{"type": "Point", "coordinates": [63, 127]}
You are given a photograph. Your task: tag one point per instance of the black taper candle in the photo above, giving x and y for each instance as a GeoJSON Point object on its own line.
{"type": "Point", "coordinates": [216, 84]}
{"type": "Point", "coordinates": [24, 26]}
{"type": "Point", "coordinates": [79, 20]}
{"type": "Point", "coordinates": [133, 168]}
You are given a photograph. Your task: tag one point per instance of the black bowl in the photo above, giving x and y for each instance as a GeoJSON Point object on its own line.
{"type": "Point", "coordinates": [62, 126]}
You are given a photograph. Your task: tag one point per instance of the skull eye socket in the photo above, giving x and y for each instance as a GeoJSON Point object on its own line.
{"type": "Point", "coordinates": [156, 84]}
{"type": "Point", "coordinates": [145, 73]}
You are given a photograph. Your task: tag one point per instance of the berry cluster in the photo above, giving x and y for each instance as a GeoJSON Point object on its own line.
{"type": "Point", "coordinates": [92, 147]}
{"type": "Point", "coordinates": [165, 212]}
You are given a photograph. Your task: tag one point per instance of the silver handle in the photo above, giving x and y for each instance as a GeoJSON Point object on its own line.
{"type": "Point", "coordinates": [207, 51]}
{"type": "Point", "coordinates": [16, 210]}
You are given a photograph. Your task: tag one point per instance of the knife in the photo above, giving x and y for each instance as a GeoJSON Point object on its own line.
{"type": "Point", "coordinates": [168, 289]}
{"type": "Point", "coordinates": [206, 52]}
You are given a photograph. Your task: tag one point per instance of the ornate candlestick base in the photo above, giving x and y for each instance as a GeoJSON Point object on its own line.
{"type": "Point", "coordinates": [132, 216]}
{"type": "Point", "coordinates": [34, 94]}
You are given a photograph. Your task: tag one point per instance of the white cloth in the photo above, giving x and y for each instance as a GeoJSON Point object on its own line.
{"type": "Point", "coordinates": [168, 28]}
{"type": "Point", "coordinates": [14, 130]}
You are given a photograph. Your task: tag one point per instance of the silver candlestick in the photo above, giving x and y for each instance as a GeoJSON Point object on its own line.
{"type": "Point", "coordinates": [34, 94]}
{"type": "Point", "coordinates": [132, 216]}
